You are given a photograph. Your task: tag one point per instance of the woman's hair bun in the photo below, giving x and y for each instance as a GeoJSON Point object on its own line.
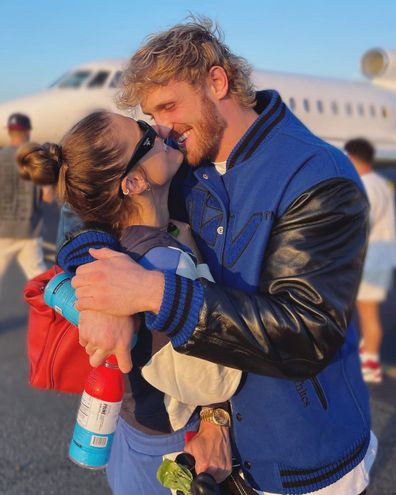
{"type": "Point", "coordinates": [40, 163]}
{"type": "Point", "coordinates": [55, 153]}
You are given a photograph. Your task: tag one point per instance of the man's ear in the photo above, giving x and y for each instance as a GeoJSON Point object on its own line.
{"type": "Point", "coordinates": [133, 183]}
{"type": "Point", "coordinates": [218, 82]}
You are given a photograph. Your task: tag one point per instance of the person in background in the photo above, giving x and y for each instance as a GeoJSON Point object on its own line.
{"type": "Point", "coordinates": [20, 213]}
{"type": "Point", "coordinates": [380, 258]}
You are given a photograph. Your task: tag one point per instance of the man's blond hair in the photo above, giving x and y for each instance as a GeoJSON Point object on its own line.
{"type": "Point", "coordinates": [186, 52]}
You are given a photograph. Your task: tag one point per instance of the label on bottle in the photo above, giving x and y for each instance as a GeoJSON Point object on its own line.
{"type": "Point", "coordinates": [97, 441]}
{"type": "Point", "coordinates": [98, 416]}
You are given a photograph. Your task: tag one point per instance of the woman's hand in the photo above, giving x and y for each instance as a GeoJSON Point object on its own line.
{"type": "Point", "coordinates": [103, 335]}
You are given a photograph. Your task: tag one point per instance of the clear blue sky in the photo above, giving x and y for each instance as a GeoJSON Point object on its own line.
{"type": "Point", "coordinates": [42, 39]}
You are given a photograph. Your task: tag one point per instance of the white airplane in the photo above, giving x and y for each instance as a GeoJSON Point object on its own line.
{"type": "Point", "coordinates": [336, 110]}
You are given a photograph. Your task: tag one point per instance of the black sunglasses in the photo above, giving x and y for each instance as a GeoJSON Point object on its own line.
{"type": "Point", "coordinates": [144, 145]}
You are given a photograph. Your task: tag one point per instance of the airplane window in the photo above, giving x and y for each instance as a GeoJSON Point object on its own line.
{"type": "Point", "coordinates": [334, 107]}
{"type": "Point", "coordinates": [99, 79]}
{"type": "Point", "coordinates": [115, 82]}
{"type": "Point", "coordinates": [384, 112]}
{"type": "Point", "coordinates": [306, 105]}
{"type": "Point", "coordinates": [75, 79]}
{"type": "Point", "coordinates": [372, 110]}
{"type": "Point", "coordinates": [319, 106]}
{"type": "Point", "coordinates": [348, 108]}
{"type": "Point", "coordinates": [360, 108]}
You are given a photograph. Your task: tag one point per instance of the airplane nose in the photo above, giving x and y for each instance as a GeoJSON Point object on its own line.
{"type": "Point", "coordinates": [43, 110]}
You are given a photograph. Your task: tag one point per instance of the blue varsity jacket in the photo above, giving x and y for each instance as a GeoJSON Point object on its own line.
{"type": "Point", "coordinates": [284, 233]}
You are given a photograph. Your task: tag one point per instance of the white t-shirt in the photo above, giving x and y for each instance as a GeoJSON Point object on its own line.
{"type": "Point", "coordinates": [221, 167]}
{"type": "Point", "coordinates": [381, 251]}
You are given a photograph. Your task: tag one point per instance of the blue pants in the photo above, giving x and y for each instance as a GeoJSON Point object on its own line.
{"type": "Point", "coordinates": [136, 456]}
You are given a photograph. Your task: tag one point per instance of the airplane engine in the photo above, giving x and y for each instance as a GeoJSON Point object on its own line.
{"type": "Point", "coordinates": [380, 65]}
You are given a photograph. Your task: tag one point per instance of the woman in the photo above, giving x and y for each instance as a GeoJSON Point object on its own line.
{"type": "Point", "coordinates": [116, 172]}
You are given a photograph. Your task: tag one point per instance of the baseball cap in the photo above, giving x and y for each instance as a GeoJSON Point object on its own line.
{"type": "Point", "coordinates": [19, 122]}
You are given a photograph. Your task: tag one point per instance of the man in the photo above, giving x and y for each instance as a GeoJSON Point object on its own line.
{"type": "Point", "coordinates": [20, 214]}
{"type": "Point", "coordinates": [380, 259]}
{"type": "Point", "coordinates": [281, 218]}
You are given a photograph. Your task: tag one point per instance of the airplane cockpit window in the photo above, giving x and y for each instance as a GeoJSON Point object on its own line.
{"type": "Point", "coordinates": [115, 82]}
{"type": "Point", "coordinates": [56, 82]}
{"type": "Point", "coordinates": [306, 105]}
{"type": "Point", "coordinates": [99, 79]}
{"type": "Point", "coordinates": [334, 107]}
{"type": "Point", "coordinates": [319, 106]}
{"type": "Point", "coordinates": [75, 79]}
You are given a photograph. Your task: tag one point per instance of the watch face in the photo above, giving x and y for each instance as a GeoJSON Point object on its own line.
{"type": "Point", "coordinates": [220, 417]}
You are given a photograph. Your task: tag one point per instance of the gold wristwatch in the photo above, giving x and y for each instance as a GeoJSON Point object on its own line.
{"type": "Point", "coordinates": [216, 416]}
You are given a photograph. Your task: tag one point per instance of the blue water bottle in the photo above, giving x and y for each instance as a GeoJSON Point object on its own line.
{"type": "Point", "coordinates": [100, 403]}
{"type": "Point", "coordinates": [60, 295]}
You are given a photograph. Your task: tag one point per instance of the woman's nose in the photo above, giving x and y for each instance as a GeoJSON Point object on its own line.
{"type": "Point", "coordinates": [162, 130]}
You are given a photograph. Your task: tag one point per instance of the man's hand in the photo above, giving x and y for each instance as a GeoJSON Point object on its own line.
{"type": "Point", "coordinates": [103, 334]}
{"type": "Point", "coordinates": [116, 285]}
{"type": "Point", "coordinates": [211, 448]}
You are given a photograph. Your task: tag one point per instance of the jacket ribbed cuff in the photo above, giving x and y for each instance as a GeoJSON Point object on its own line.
{"type": "Point", "coordinates": [180, 308]}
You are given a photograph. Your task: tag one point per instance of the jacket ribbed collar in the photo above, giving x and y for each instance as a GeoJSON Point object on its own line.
{"type": "Point", "coordinates": [272, 111]}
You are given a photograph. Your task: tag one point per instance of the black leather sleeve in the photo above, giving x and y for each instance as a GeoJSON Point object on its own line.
{"type": "Point", "coordinates": [311, 271]}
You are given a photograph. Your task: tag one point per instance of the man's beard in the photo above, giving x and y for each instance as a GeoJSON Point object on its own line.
{"type": "Point", "coordinates": [208, 133]}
